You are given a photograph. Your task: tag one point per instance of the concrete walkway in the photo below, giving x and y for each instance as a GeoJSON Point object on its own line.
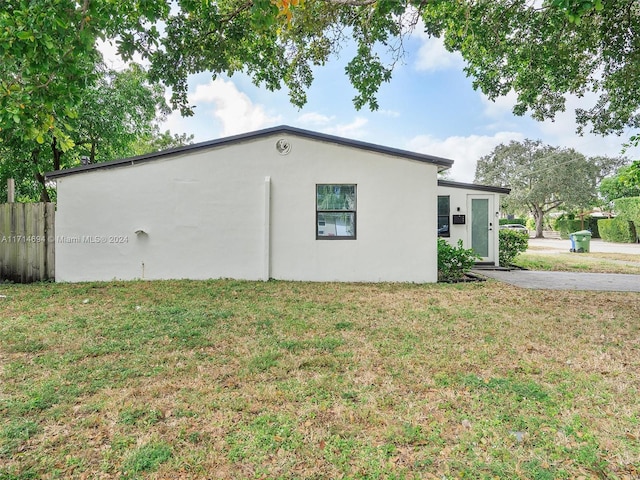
{"type": "Point", "coordinates": [603, 282]}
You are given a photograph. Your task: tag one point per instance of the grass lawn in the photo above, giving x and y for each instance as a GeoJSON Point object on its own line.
{"type": "Point", "coordinates": [534, 259]}
{"type": "Point", "coordinates": [229, 379]}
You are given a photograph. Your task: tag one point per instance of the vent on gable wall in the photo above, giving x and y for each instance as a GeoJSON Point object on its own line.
{"type": "Point", "coordinates": [283, 146]}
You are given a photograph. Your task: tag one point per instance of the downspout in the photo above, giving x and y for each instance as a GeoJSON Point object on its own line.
{"type": "Point", "coordinates": [266, 264]}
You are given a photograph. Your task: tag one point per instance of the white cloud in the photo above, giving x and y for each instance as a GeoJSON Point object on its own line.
{"type": "Point", "coordinates": [109, 51]}
{"type": "Point", "coordinates": [433, 56]}
{"type": "Point", "coordinates": [354, 130]}
{"type": "Point", "coordinates": [316, 119]}
{"type": "Point", "coordinates": [232, 108]}
{"type": "Point", "coordinates": [464, 151]}
{"type": "Point", "coordinates": [501, 106]}
{"type": "Point", "coordinates": [220, 99]}
{"type": "Point", "coordinates": [388, 113]}
{"type": "Point", "coordinates": [561, 131]}
{"type": "Point", "coordinates": [220, 110]}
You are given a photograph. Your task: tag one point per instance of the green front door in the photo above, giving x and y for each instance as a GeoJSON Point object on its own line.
{"type": "Point", "coordinates": [482, 227]}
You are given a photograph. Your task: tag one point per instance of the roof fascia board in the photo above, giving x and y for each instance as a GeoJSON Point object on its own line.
{"type": "Point", "coordinates": [473, 186]}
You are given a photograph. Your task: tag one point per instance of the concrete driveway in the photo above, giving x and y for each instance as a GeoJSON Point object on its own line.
{"type": "Point", "coordinates": [603, 282]}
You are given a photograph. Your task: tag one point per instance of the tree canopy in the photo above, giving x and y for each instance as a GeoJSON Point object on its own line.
{"type": "Point", "coordinates": [121, 108]}
{"type": "Point", "coordinates": [543, 178]}
{"type": "Point", "coordinates": [632, 176]}
{"type": "Point", "coordinates": [59, 103]}
{"type": "Point", "coordinates": [617, 186]}
{"type": "Point", "coordinates": [117, 116]}
{"type": "Point", "coordinates": [49, 57]}
{"type": "Point", "coordinates": [542, 50]}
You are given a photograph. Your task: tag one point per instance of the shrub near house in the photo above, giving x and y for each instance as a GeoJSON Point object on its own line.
{"type": "Point", "coordinates": [454, 262]}
{"type": "Point", "coordinates": [512, 242]}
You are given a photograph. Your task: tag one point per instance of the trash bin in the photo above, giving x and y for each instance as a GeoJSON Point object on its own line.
{"type": "Point", "coordinates": [580, 241]}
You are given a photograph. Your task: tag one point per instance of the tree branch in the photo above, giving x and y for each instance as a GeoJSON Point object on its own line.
{"type": "Point", "coordinates": [83, 11]}
{"type": "Point", "coordinates": [552, 205]}
{"type": "Point", "coordinates": [352, 3]}
{"type": "Point", "coordinates": [245, 6]}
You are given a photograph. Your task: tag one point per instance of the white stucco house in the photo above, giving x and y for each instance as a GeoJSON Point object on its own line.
{"type": "Point", "coordinates": [282, 203]}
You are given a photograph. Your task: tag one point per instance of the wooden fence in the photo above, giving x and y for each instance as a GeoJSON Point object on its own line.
{"type": "Point", "coordinates": [27, 242]}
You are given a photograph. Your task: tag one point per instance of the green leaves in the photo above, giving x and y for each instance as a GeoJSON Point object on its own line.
{"type": "Point", "coordinates": [576, 9]}
{"type": "Point", "coordinates": [541, 51]}
{"type": "Point", "coordinates": [263, 14]}
{"type": "Point", "coordinates": [25, 36]}
{"type": "Point", "coordinates": [631, 177]}
{"type": "Point", "coordinates": [511, 244]}
{"type": "Point", "coordinates": [454, 261]}
{"type": "Point", "coordinates": [622, 184]}
{"type": "Point", "coordinates": [57, 101]}
{"type": "Point", "coordinates": [49, 57]}
{"type": "Point", "coordinates": [366, 73]}
{"type": "Point", "coordinates": [545, 52]}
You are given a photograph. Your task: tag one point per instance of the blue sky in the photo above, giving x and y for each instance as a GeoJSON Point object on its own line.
{"type": "Point", "coordinates": [429, 107]}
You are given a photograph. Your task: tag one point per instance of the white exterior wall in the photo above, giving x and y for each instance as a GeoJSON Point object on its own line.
{"type": "Point", "coordinates": [460, 205]}
{"type": "Point", "coordinates": [205, 214]}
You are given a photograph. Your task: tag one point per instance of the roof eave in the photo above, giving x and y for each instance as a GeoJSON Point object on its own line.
{"type": "Point", "coordinates": [442, 163]}
{"type": "Point", "coordinates": [474, 186]}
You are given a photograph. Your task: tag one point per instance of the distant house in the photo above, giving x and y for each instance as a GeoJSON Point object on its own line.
{"type": "Point", "coordinates": [280, 203]}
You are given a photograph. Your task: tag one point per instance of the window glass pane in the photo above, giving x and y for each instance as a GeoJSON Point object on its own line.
{"type": "Point", "coordinates": [443, 206]}
{"type": "Point", "coordinates": [336, 197]}
{"type": "Point", "coordinates": [443, 225]}
{"type": "Point", "coordinates": [336, 224]}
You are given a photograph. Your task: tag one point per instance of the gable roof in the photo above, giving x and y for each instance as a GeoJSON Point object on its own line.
{"type": "Point", "coordinates": [442, 163]}
{"type": "Point", "coordinates": [473, 186]}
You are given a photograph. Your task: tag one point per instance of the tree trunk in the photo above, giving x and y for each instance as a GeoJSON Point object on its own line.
{"type": "Point", "coordinates": [57, 154]}
{"type": "Point", "coordinates": [538, 216]}
{"type": "Point", "coordinates": [44, 194]}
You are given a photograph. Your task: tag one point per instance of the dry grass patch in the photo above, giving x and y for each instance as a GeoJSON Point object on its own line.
{"type": "Point", "coordinates": [227, 379]}
{"type": "Point", "coordinates": [580, 262]}
{"type": "Point", "coordinates": [621, 257]}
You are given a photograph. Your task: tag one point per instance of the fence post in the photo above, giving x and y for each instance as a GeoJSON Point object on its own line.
{"type": "Point", "coordinates": [11, 190]}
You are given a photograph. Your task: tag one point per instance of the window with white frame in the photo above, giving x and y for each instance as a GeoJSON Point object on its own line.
{"type": "Point", "coordinates": [335, 212]}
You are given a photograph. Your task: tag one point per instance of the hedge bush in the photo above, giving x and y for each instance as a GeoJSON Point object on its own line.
{"type": "Point", "coordinates": [629, 208]}
{"type": "Point", "coordinates": [511, 221]}
{"type": "Point", "coordinates": [454, 262]}
{"type": "Point", "coordinates": [617, 229]}
{"type": "Point", "coordinates": [568, 224]}
{"type": "Point", "coordinates": [512, 243]}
